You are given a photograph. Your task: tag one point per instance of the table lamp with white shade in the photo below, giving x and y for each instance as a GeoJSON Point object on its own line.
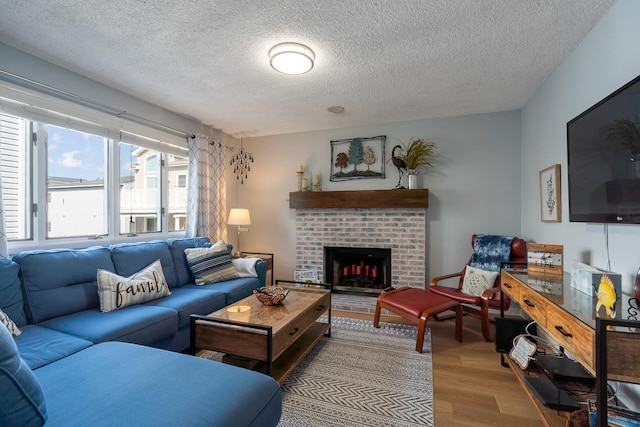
{"type": "Point", "coordinates": [239, 217]}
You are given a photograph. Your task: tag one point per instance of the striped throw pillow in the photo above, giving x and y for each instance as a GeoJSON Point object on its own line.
{"type": "Point", "coordinates": [210, 265]}
{"type": "Point", "coordinates": [4, 319]}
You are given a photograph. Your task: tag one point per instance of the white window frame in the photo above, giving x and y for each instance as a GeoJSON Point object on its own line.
{"type": "Point", "coordinates": [43, 108]}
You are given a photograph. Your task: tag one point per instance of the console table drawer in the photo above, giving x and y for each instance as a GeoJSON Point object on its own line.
{"type": "Point", "coordinates": [511, 287]}
{"type": "Point", "coordinates": [534, 305]}
{"type": "Point", "coordinates": [577, 338]}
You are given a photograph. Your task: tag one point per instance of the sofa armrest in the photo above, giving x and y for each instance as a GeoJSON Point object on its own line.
{"type": "Point", "coordinates": [261, 270]}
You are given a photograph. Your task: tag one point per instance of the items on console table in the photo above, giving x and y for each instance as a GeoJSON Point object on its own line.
{"type": "Point", "coordinates": [545, 259]}
{"type": "Point", "coordinates": [569, 317]}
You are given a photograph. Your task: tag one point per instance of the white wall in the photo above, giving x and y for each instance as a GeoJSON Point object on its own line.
{"type": "Point", "coordinates": [24, 65]}
{"type": "Point", "coordinates": [605, 60]}
{"type": "Point", "coordinates": [474, 186]}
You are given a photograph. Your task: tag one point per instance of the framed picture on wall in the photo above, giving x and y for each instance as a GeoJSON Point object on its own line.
{"type": "Point", "coordinates": [550, 203]}
{"type": "Point", "coordinates": [357, 158]}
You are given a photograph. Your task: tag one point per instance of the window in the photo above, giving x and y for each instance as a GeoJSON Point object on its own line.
{"type": "Point", "coordinates": [177, 193]}
{"type": "Point", "coordinates": [140, 199]}
{"type": "Point", "coordinates": [66, 177]}
{"type": "Point", "coordinates": [151, 164]}
{"type": "Point", "coordinates": [75, 182]}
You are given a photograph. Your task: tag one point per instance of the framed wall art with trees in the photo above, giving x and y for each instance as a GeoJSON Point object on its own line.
{"type": "Point", "coordinates": [358, 158]}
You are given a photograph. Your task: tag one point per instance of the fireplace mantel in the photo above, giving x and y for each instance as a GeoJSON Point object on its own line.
{"type": "Point", "coordinates": [417, 198]}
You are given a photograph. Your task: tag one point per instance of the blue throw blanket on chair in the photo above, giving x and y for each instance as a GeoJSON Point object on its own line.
{"type": "Point", "coordinates": [489, 251]}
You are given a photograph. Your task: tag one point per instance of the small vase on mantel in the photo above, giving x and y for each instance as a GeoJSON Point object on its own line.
{"type": "Point", "coordinates": [412, 179]}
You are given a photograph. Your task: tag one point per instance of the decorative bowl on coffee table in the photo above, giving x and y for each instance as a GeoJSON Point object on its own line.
{"type": "Point", "coordinates": [271, 295]}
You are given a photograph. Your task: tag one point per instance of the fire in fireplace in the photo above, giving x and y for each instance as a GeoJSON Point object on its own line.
{"type": "Point", "coordinates": [358, 270]}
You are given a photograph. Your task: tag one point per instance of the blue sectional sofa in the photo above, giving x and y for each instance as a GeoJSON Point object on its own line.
{"type": "Point", "coordinates": [76, 365]}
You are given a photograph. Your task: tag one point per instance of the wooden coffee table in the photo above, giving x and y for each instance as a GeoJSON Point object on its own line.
{"type": "Point", "coordinates": [271, 339]}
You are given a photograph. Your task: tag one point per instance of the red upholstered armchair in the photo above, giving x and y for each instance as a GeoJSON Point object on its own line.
{"type": "Point", "coordinates": [479, 305]}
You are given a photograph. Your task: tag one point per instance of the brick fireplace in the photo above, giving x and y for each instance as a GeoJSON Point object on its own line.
{"type": "Point", "coordinates": [400, 229]}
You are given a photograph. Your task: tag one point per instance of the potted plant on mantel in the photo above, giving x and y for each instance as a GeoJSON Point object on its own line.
{"type": "Point", "coordinates": [416, 154]}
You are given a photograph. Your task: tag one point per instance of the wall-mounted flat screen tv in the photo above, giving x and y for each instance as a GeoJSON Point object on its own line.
{"type": "Point", "coordinates": [603, 146]}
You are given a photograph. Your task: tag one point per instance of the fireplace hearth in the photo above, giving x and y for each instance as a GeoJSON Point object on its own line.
{"type": "Point", "coordinates": [362, 271]}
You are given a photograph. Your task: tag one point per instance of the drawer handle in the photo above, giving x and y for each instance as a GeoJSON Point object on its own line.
{"type": "Point", "coordinates": [529, 303]}
{"type": "Point", "coordinates": [320, 308]}
{"type": "Point", "coordinates": [563, 332]}
{"type": "Point", "coordinates": [506, 285]}
{"type": "Point", "coordinates": [295, 331]}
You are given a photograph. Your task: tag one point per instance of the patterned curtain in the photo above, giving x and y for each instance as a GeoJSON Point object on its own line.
{"type": "Point", "coordinates": [206, 196]}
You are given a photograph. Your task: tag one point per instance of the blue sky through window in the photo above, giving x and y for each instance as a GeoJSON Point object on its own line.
{"type": "Point", "coordinates": [79, 155]}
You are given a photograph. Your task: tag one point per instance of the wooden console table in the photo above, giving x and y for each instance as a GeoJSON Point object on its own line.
{"type": "Point", "coordinates": [568, 316]}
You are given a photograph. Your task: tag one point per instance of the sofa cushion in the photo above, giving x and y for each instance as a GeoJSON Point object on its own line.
{"type": "Point", "coordinates": [177, 247]}
{"type": "Point", "coordinates": [120, 383]}
{"type": "Point", "coordinates": [210, 265]}
{"type": "Point", "coordinates": [22, 402]}
{"type": "Point", "coordinates": [191, 301]}
{"type": "Point", "coordinates": [40, 346]}
{"type": "Point", "coordinates": [140, 324]}
{"type": "Point", "coordinates": [116, 292]}
{"type": "Point", "coordinates": [234, 289]}
{"type": "Point", "coordinates": [129, 258]}
{"type": "Point", "coordinates": [58, 282]}
{"type": "Point", "coordinates": [8, 323]}
{"type": "Point", "coordinates": [11, 301]}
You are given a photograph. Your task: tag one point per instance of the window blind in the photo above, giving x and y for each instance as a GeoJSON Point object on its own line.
{"type": "Point", "coordinates": [44, 108]}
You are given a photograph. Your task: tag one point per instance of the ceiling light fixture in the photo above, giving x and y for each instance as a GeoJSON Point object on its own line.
{"type": "Point", "coordinates": [291, 58]}
{"type": "Point", "coordinates": [337, 109]}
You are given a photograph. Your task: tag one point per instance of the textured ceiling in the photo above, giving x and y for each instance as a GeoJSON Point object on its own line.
{"type": "Point", "coordinates": [382, 60]}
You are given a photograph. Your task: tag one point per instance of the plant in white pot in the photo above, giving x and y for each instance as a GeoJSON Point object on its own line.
{"type": "Point", "coordinates": [416, 154]}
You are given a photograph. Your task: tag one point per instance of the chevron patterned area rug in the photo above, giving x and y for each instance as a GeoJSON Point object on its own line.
{"type": "Point", "coordinates": [361, 376]}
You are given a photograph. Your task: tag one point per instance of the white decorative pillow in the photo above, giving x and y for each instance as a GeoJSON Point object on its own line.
{"type": "Point", "coordinates": [116, 291]}
{"type": "Point", "coordinates": [12, 327]}
{"type": "Point", "coordinates": [476, 281]}
{"type": "Point", "coordinates": [220, 245]}
{"type": "Point", "coordinates": [210, 265]}
{"type": "Point", "coordinates": [246, 267]}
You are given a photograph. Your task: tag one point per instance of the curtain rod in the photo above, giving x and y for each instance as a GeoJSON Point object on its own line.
{"type": "Point", "coordinates": [115, 111]}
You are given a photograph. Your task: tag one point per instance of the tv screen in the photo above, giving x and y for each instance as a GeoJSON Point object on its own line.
{"type": "Point", "coordinates": [603, 146]}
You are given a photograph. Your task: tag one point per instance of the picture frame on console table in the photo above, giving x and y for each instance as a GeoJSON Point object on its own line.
{"type": "Point", "coordinates": [550, 202]}
{"type": "Point", "coordinates": [544, 259]}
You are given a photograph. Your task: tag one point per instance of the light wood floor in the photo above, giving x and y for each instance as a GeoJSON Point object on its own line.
{"type": "Point", "coordinates": [470, 386]}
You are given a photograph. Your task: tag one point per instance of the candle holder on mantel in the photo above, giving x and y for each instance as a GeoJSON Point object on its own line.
{"type": "Point", "coordinates": [300, 173]}
{"type": "Point", "coordinates": [316, 183]}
